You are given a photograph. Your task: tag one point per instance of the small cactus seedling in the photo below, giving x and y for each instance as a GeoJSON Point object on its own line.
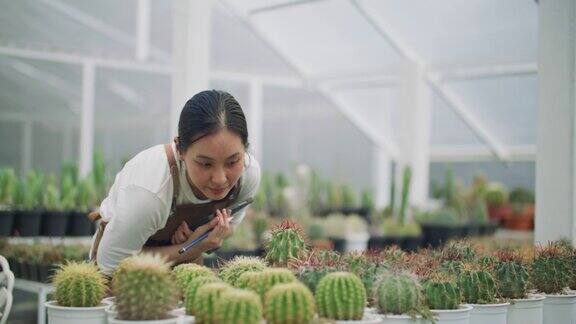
{"type": "Point", "coordinates": [144, 288]}
{"type": "Point", "coordinates": [79, 284]}
{"type": "Point", "coordinates": [290, 303]}
{"type": "Point", "coordinates": [341, 296]}
{"type": "Point", "coordinates": [287, 243]}
{"type": "Point", "coordinates": [237, 306]}
{"type": "Point", "coordinates": [232, 270]}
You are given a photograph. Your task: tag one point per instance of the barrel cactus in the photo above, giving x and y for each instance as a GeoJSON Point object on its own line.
{"type": "Point", "coordinates": [511, 275]}
{"type": "Point", "coordinates": [341, 296]}
{"type": "Point", "coordinates": [477, 285]}
{"type": "Point", "coordinates": [237, 306]}
{"type": "Point", "coordinates": [232, 270]}
{"type": "Point", "coordinates": [398, 294]}
{"type": "Point", "coordinates": [550, 271]}
{"type": "Point", "coordinates": [192, 289]}
{"type": "Point", "coordinates": [290, 303]}
{"type": "Point", "coordinates": [311, 276]}
{"type": "Point", "coordinates": [458, 251]}
{"type": "Point", "coordinates": [79, 284]}
{"type": "Point", "coordinates": [441, 291]}
{"type": "Point", "coordinates": [144, 289]}
{"type": "Point", "coordinates": [286, 244]}
{"type": "Point", "coordinates": [206, 300]}
{"type": "Point", "coordinates": [184, 273]}
{"type": "Point", "coordinates": [452, 267]}
{"type": "Point", "coordinates": [265, 280]}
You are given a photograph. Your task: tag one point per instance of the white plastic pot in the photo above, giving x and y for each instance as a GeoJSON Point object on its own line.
{"type": "Point", "coordinates": [489, 313]}
{"type": "Point", "coordinates": [400, 319]}
{"type": "Point", "coordinates": [366, 319]}
{"type": "Point", "coordinates": [171, 320]}
{"type": "Point", "coordinates": [526, 311]}
{"type": "Point", "coordinates": [356, 242]}
{"type": "Point", "coordinates": [559, 308]}
{"type": "Point", "coordinates": [452, 316]}
{"type": "Point", "coordinates": [74, 315]}
{"type": "Point", "coordinates": [183, 318]}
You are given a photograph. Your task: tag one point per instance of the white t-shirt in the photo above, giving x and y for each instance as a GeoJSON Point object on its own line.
{"type": "Point", "coordinates": [138, 204]}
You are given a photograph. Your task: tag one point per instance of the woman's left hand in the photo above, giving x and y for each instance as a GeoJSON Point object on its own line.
{"type": "Point", "coordinates": [181, 234]}
{"type": "Point", "coordinates": [221, 231]}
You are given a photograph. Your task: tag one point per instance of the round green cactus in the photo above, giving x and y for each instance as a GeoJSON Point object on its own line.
{"type": "Point", "coordinates": [290, 303]}
{"type": "Point", "coordinates": [452, 267]}
{"type": "Point", "coordinates": [496, 194]}
{"type": "Point", "coordinates": [477, 286]}
{"type": "Point", "coordinates": [442, 291]}
{"type": "Point", "coordinates": [144, 288]}
{"type": "Point", "coordinates": [511, 275]}
{"type": "Point", "coordinates": [287, 244]}
{"type": "Point", "coordinates": [458, 251]}
{"type": "Point", "coordinates": [550, 271]}
{"type": "Point", "coordinates": [184, 273]}
{"type": "Point", "coordinates": [79, 284]}
{"type": "Point", "coordinates": [311, 276]}
{"type": "Point", "coordinates": [232, 270]}
{"type": "Point", "coordinates": [206, 300]}
{"type": "Point", "coordinates": [192, 290]}
{"type": "Point", "coordinates": [341, 296]}
{"type": "Point", "coordinates": [398, 294]}
{"type": "Point", "coordinates": [237, 306]}
{"type": "Point", "coordinates": [265, 280]}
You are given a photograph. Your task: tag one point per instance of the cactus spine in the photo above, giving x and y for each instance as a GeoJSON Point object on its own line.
{"type": "Point", "coordinates": [186, 272]}
{"type": "Point", "coordinates": [398, 294]}
{"type": "Point", "coordinates": [237, 306]}
{"type": "Point", "coordinates": [511, 276]}
{"type": "Point", "coordinates": [341, 296]}
{"type": "Point", "coordinates": [550, 271]}
{"type": "Point", "coordinates": [477, 286]}
{"type": "Point", "coordinates": [79, 285]}
{"type": "Point", "coordinates": [206, 300]}
{"type": "Point", "coordinates": [263, 281]}
{"type": "Point", "coordinates": [144, 288]}
{"type": "Point", "coordinates": [287, 243]}
{"type": "Point", "coordinates": [192, 290]}
{"type": "Point", "coordinates": [442, 292]}
{"type": "Point", "coordinates": [290, 303]}
{"type": "Point", "coordinates": [232, 270]}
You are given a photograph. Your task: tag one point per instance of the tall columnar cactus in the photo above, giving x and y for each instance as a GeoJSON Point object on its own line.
{"type": "Point", "coordinates": [511, 276]}
{"type": "Point", "coordinates": [398, 294]}
{"type": "Point", "coordinates": [186, 272]}
{"type": "Point", "coordinates": [442, 291]}
{"type": "Point", "coordinates": [267, 279]}
{"type": "Point", "coordinates": [144, 288]}
{"type": "Point", "coordinates": [79, 284]}
{"type": "Point", "coordinates": [192, 289]}
{"type": "Point", "coordinates": [232, 270]}
{"type": "Point", "coordinates": [341, 296]}
{"type": "Point", "coordinates": [287, 243]}
{"type": "Point", "coordinates": [550, 272]}
{"type": "Point", "coordinates": [477, 286]}
{"type": "Point", "coordinates": [290, 303]}
{"type": "Point", "coordinates": [406, 177]}
{"type": "Point", "coordinates": [237, 306]}
{"type": "Point", "coordinates": [206, 300]}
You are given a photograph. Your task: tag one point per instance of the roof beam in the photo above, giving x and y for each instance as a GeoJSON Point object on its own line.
{"type": "Point", "coordinates": [143, 30]}
{"type": "Point", "coordinates": [282, 5]}
{"type": "Point", "coordinates": [480, 72]}
{"type": "Point", "coordinates": [479, 153]}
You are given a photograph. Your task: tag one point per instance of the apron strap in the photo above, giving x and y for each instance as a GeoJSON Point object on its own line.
{"type": "Point", "coordinates": [174, 172]}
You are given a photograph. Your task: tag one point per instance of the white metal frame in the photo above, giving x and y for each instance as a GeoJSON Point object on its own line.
{"type": "Point", "coordinates": [39, 288]}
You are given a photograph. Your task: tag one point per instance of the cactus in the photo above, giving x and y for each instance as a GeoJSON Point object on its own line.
{"type": "Point", "coordinates": [496, 194]}
{"type": "Point", "coordinates": [68, 193]}
{"type": "Point", "coordinates": [398, 294]}
{"type": "Point", "coordinates": [79, 284]}
{"type": "Point", "coordinates": [476, 285]}
{"type": "Point", "coordinates": [144, 288]}
{"type": "Point", "coordinates": [86, 198]}
{"type": "Point", "coordinates": [237, 306]}
{"type": "Point", "coordinates": [287, 243]}
{"type": "Point", "coordinates": [348, 197]}
{"type": "Point", "coordinates": [511, 276]}
{"type": "Point", "coordinates": [192, 289]}
{"type": "Point", "coordinates": [51, 198]}
{"type": "Point", "coordinates": [550, 272]}
{"type": "Point", "coordinates": [458, 251]}
{"type": "Point", "coordinates": [33, 190]}
{"type": "Point", "coordinates": [186, 272]}
{"type": "Point", "coordinates": [452, 267]}
{"type": "Point", "coordinates": [441, 291]}
{"type": "Point", "coordinates": [406, 177]}
{"type": "Point", "coordinates": [8, 183]}
{"type": "Point", "coordinates": [311, 276]}
{"type": "Point", "coordinates": [206, 301]}
{"type": "Point", "coordinates": [265, 280]}
{"type": "Point", "coordinates": [232, 270]}
{"type": "Point", "coordinates": [290, 303]}
{"type": "Point", "coordinates": [341, 296]}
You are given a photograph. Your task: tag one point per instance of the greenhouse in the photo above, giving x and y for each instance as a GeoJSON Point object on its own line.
{"type": "Point", "coordinates": [288, 161]}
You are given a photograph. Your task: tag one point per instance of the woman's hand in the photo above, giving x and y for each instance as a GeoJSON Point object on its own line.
{"type": "Point", "coordinates": [221, 231]}
{"type": "Point", "coordinates": [181, 234]}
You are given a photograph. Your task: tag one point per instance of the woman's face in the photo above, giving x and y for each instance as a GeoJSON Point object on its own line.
{"type": "Point", "coordinates": [215, 163]}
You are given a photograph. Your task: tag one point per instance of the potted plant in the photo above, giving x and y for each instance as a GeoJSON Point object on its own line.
{"type": "Point", "coordinates": [479, 289]}
{"type": "Point", "coordinates": [497, 199]}
{"type": "Point", "coordinates": [238, 306]}
{"type": "Point", "coordinates": [79, 289]}
{"type": "Point", "coordinates": [286, 244]}
{"type": "Point", "coordinates": [233, 269]}
{"type": "Point", "coordinates": [443, 297]}
{"type": "Point", "coordinates": [28, 219]}
{"type": "Point", "coordinates": [550, 275]}
{"type": "Point", "coordinates": [55, 218]}
{"type": "Point", "coordinates": [512, 279]}
{"type": "Point", "coordinates": [8, 182]}
{"type": "Point", "coordinates": [522, 202]}
{"type": "Point", "coordinates": [79, 224]}
{"type": "Point", "coordinates": [289, 303]}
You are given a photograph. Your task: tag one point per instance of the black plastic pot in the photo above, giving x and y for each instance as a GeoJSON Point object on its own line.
{"type": "Point", "coordinates": [339, 244]}
{"type": "Point", "coordinates": [79, 224]}
{"type": "Point", "coordinates": [411, 243]}
{"type": "Point", "coordinates": [45, 272]}
{"type": "Point", "coordinates": [382, 242]}
{"type": "Point", "coordinates": [55, 223]}
{"type": "Point", "coordinates": [473, 229]}
{"type": "Point", "coordinates": [437, 234]}
{"type": "Point", "coordinates": [6, 222]}
{"type": "Point", "coordinates": [32, 271]}
{"type": "Point", "coordinates": [27, 222]}
{"type": "Point", "coordinates": [14, 267]}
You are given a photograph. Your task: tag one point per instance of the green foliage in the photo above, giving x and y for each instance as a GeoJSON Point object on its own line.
{"type": "Point", "coordinates": [341, 296]}
{"type": "Point", "coordinates": [68, 193]}
{"type": "Point", "coordinates": [86, 198]}
{"type": "Point", "coordinates": [8, 186]}
{"type": "Point", "coordinates": [51, 199]}
{"type": "Point", "coordinates": [496, 194]}
{"type": "Point", "coordinates": [79, 284]}
{"type": "Point", "coordinates": [290, 303]}
{"type": "Point", "coordinates": [442, 292]}
{"type": "Point", "coordinates": [33, 190]}
{"type": "Point", "coordinates": [144, 288]}
{"type": "Point", "coordinates": [348, 197]}
{"type": "Point", "coordinates": [205, 303]}
{"type": "Point", "coordinates": [367, 200]}
{"type": "Point", "coordinates": [406, 177]}
{"type": "Point", "coordinates": [477, 286]}
{"type": "Point", "coordinates": [237, 306]}
{"type": "Point", "coordinates": [232, 270]}
{"type": "Point", "coordinates": [287, 244]}
{"type": "Point", "coordinates": [521, 196]}
{"type": "Point", "coordinates": [311, 276]}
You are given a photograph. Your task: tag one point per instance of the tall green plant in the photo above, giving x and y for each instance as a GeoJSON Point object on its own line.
{"type": "Point", "coordinates": [8, 186]}
{"type": "Point", "coordinates": [406, 177]}
{"type": "Point", "coordinates": [51, 197]}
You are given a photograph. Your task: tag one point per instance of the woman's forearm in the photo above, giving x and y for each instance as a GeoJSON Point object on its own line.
{"type": "Point", "coordinates": [171, 252]}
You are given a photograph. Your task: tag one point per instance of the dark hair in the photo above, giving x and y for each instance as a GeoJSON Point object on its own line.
{"type": "Point", "coordinates": [208, 112]}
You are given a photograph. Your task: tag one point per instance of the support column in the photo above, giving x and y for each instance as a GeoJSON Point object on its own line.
{"type": "Point", "coordinates": [256, 119]}
{"type": "Point", "coordinates": [191, 54]}
{"type": "Point", "coordinates": [26, 159]}
{"type": "Point", "coordinates": [87, 119]}
{"type": "Point", "coordinates": [382, 174]}
{"type": "Point", "coordinates": [415, 105]}
{"type": "Point", "coordinates": [556, 142]}
{"type": "Point", "coordinates": [143, 30]}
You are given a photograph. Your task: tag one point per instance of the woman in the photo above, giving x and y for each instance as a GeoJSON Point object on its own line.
{"type": "Point", "coordinates": [166, 190]}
